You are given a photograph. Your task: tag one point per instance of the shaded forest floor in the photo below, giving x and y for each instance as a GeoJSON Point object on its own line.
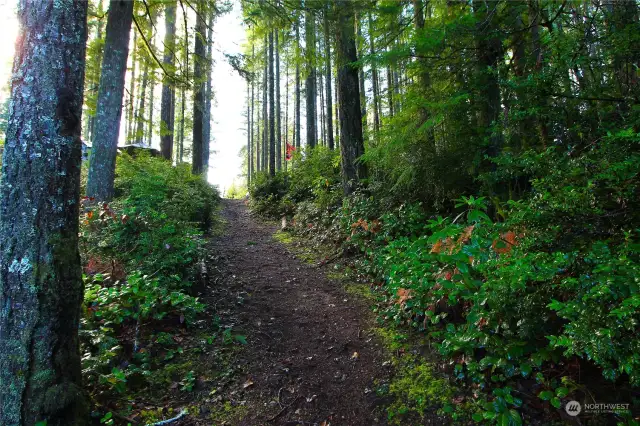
{"type": "Point", "coordinates": [311, 354]}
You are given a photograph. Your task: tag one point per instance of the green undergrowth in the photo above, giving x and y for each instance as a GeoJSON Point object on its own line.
{"type": "Point", "coordinates": [531, 300]}
{"type": "Point", "coordinates": [146, 337]}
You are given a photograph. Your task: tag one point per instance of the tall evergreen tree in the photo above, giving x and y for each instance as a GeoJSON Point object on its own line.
{"type": "Point", "coordinates": [296, 126]}
{"type": "Point", "coordinates": [327, 65]}
{"type": "Point", "coordinates": [41, 285]}
{"type": "Point", "coordinates": [272, 114]}
{"type": "Point", "coordinates": [278, 112]}
{"type": "Point", "coordinates": [109, 108]}
{"type": "Point", "coordinates": [206, 131]}
{"type": "Point", "coordinates": [167, 102]}
{"type": "Point", "coordinates": [310, 84]}
{"type": "Point", "coordinates": [199, 67]}
{"type": "Point", "coordinates": [351, 140]}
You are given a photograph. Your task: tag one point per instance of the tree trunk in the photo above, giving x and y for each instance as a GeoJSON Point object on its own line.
{"type": "Point", "coordinates": [278, 112]}
{"type": "Point", "coordinates": [139, 134]}
{"type": "Point", "coordinates": [206, 132]}
{"type": "Point", "coordinates": [152, 86]}
{"type": "Point", "coordinates": [363, 94]}
{"type": "Point", "coordinates": [296, 126]}
{"type": "Point", "coordinates": [132, 87]}
{"type": "Point", "coordinates": [286, 107]}
{"type": "Point", "coordinates": [248, 134]}
{"type": "Point", "coordinates": [251, 150]}
{"type": "Point", "coordinates": [167, 103]}
{"type": "Point", "coordinates": [109, 108]}
{"type": "Point", "coordinates": [327, 54]}
{"type": "Point", "coordinates": [351, 141]}
{"type": "Point", "coordinates": [374, 82]}
{"type": "Point", "coordinates": [183, 97]}
{"type": "Point", "coordinates": [489, 53]}
{"type": "Point", "coordinates": [272, 115]}
{"type": "Point", "coordinates": [199, 65]}
{"type": "Point", "coordinates": [390, 91]}
{"type": "Point", "coordinates": [337, 106]}
{"type": "Point", "coordinates": [180, 153]}
{"type": "Point", "coordinates": [310, 86]}
{"type": "Point", "coordinates": [323, 123]}
{"type": "Point", "coordinates": [265, 106]}
{"type": "Point", "coordinates": [41, 286]}
{"type": "Point", "coordinates": [424, 77]}
{"type": "Point", "coordinates": [258, 134]}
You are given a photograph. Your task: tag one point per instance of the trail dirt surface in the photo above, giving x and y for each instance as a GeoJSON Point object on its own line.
{"type": "Point", "coordinates": [310, 357]}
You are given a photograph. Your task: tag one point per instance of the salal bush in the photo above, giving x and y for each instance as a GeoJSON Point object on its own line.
{"type": "Point", "coordinates": [557, 280]}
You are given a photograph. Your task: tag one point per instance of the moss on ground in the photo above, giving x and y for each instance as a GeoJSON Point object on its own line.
{"type": "Point", "coordinates": [228, 413]}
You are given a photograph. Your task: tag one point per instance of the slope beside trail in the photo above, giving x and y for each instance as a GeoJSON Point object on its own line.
{"type": "Point", "coordinates": [310, 356]}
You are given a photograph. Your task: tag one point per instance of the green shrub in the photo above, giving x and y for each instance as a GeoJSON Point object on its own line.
{"type": "Point", "coordinates": [554, 280]}
{"type": "Point", "coordinates": [140, 252]}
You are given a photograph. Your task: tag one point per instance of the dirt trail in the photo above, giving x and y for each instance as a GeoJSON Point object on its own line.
{"type": "Point", "coordinates": [310, 354]}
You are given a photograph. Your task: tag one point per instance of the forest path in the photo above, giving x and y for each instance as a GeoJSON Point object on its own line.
{"type": "Point", "coordinates": [311, 356]}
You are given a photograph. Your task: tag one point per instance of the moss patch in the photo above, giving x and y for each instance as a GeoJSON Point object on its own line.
{"type": "Point", "coordinates": [416, 390]}
{"type": "Point", "coordinates": [284, 237]}
{"type": "Point", "coordinates": [228, 413]}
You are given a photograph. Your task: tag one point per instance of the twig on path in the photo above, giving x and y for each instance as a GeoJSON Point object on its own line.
{"type": "Point", "coordinates": [280, 398]}
{"type": "Point", "coordinates": [171, 420]}
{"type": "Point", "coordinates": [285, 408]}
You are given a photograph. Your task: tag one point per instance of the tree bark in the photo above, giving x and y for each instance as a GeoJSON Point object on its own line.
{"type": "Point", "coordinates": [310, 86]}
{"type": "Point", "coordinates": [248, 134]}
{"type": "Point", "coordinates": [327, 55]}
{"type": "Point", "coordinates": [206, 132]}
{"type": "Point", "coordinates": [199, 65]}
{"type": "Point", "coordinates": [286, 107]}
{"type": "Point", "coordinates": [183, 95]}
{"type": "Point", "coordinates": [265, 106]}
{"type": "Point", "coordinates": [251, 143]}
{"type": "Point", "coordinates": [272, 107]}
{"type": "Point", "coordinates": [374, 82]}
{"type": "Point", "coordinates": [140, 119]}
{"type": "Point", "coordinates": [390, 91]}
{"type": "Point", "coordinates": [132, 87]}
{"type": "Point", "coordinates": [278, 112]}
{"type": "Point", "coordinates": [296, 126]}
{"type": "Point", "coordinates": [41, 286]}
{"type": "Point", "coordinates": [167, 102]}
{"type": "Point", "coordinates": [109, 108]}
{"type": "Point", "coordinates": [363, 94]}
{"type": "Point", "coordinates": [489, 53]}
{"type": "Point", "coordinates": [351, 140]}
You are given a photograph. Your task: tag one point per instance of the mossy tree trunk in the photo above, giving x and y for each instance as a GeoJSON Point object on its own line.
{"type": "Point", "coordinates": [351, 140]}
{"type": "Point", "coordinates": [40, 275]}
{"type": "Point", "coordinates": [278, 108]}
{"type": "Point", "coordinates": [206, 132]}
{"type": "Point", "coordinates": [296, 126]}
{"type": "Point", "coordinates": [109, 108]}
{"type": "Point", "coordinates": [167, 102]}
{"type": "Point", "coordinates": [310, 86]}
{"type": "Point", "coordinates": [199, 66]}
{"type": "Point", "coordinates": [327, 64]}
{"type": "Point", "coordinates": [272, 114]}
